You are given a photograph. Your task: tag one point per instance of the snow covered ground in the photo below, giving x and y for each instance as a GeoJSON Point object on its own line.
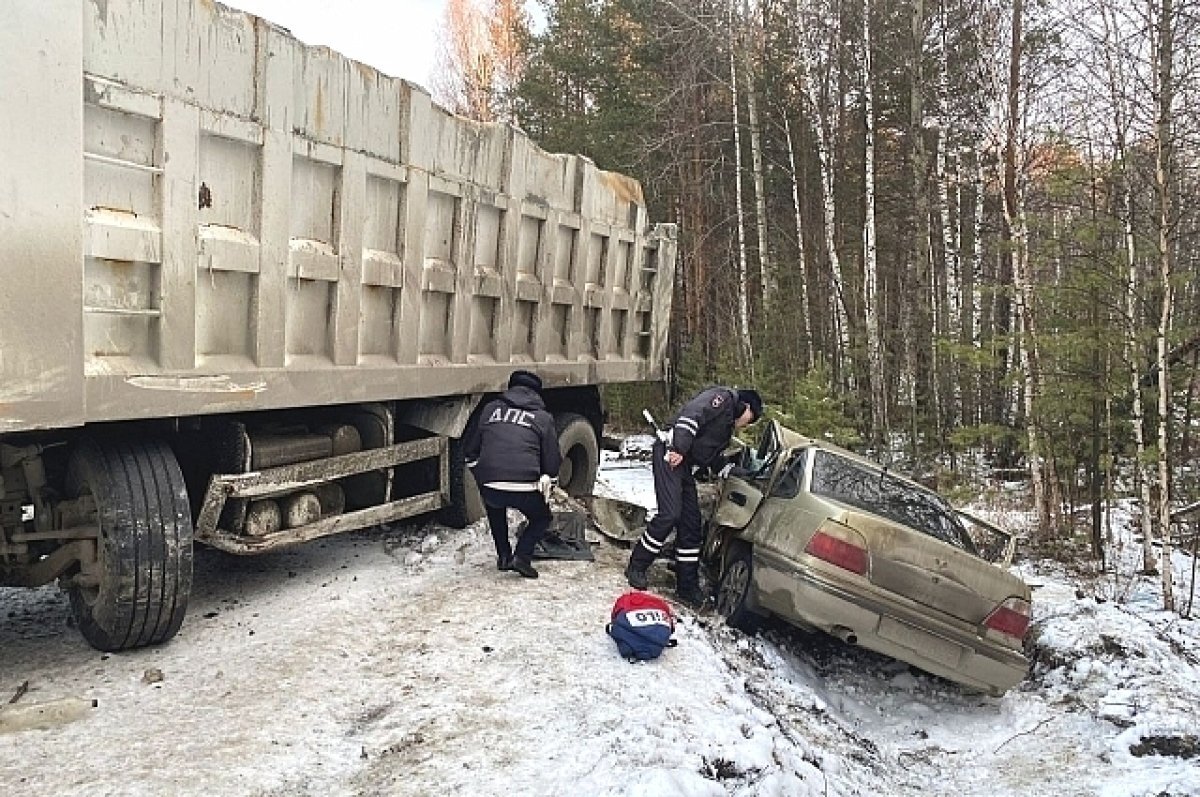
{"type": "Point", "coordinates": [400, 662]}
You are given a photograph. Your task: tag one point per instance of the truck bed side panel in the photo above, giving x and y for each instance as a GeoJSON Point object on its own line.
{"type": "Point", "coordinates": [41, 178]}
{"type": "Point", "coordinates": [267, 224]}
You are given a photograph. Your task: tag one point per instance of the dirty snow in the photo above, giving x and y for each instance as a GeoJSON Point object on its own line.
{"type": "Point", "coordinates": [400, 662]}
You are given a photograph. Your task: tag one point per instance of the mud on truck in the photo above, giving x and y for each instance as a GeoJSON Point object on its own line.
{"type": "Point", "coordinates": [254, 293]}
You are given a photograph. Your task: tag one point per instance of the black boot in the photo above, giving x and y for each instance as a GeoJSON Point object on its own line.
{"type": "Point", "coordinates": [687, 584]}
{"type": "Point", "coordinates": [639, 563]}
{"type": "Point", "coordinates": [636, 575]}
{"type": "Point", "coordinates": [504, 552]}
{"type": "Point", "coordinates": [692, 595]}
{"type": "Point", "coordinates": [523, 566]}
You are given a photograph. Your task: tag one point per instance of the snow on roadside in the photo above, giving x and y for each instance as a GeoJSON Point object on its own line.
{"type": "Point", "coordinates": [393, 663]}
{"type": "Point", "coordinates": [400, 662]}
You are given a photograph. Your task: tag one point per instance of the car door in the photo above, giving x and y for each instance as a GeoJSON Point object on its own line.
{"type": "Point", "coordinates": [776, 523]}
{"type": "Point", "coordinates": [741, 495]}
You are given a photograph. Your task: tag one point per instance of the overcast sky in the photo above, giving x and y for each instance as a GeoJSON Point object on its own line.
{"type": "Point", "coordinates": [397, 37]}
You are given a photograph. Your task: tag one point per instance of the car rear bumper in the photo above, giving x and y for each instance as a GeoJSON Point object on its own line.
{"type": "Point", "coordinates": [808, 597]}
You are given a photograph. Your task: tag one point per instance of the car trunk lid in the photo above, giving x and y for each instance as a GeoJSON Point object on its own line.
{"type": "Point", "coordinates": [931, 572]}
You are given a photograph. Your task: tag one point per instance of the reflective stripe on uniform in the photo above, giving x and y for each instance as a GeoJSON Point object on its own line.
{"type": "Point", "coordinates": [513, 487]}
{"type": "Point", "coordinates": [650, 544]}
{"type": "Point", "coordinates": [688, 424]}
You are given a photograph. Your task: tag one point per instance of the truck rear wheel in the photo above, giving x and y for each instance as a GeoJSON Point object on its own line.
{"type": "Point", "coordinates": [466, 505]}
{"type": "Point", "coordinates": [580, 453]}
{"type": "Point", "coordinates": [144, 551]}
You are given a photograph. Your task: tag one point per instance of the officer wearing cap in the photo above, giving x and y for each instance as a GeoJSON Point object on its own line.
{"type": "Point", "coordinates": [513, 454]}
{"type": "Point", "coordinates": [698, 435]}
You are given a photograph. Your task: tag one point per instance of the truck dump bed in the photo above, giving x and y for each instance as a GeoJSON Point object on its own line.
{"type": "Point", "coordinates": [202, 214]}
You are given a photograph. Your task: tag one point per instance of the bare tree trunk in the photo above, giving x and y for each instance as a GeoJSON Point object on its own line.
{"type": "Point", "coordinates": [801, 267]}
{"type": "Point", "coordinates": [870, 289]}
{"type": "Point", "coordinates": [949, 296]}
{"type": "Point", "coordinates": [1133, 355]}
{"type": "Point", "coordinates": [1015, 222]}
{"type": "Point", "coordinates": [949, 316]}
{"type": "Point", "coordinates": [997, 393]}
{"type": "Point", "coordinates": [973, 331]}
{"type": "Point", "coordinates": [1163, 144]}
{"type": "Point", "coordinates": [841, 312]}
{"type": "Point", "coordinates": [946, 174]}
{"type": "Point", "coordinates": [926, 409]}
{"type": "Point", "coordinates": [1029, 366]}
{"type": "Point", "coordinates": [745, 345]}
{"type": "Point", "coordinates": [769, 281]}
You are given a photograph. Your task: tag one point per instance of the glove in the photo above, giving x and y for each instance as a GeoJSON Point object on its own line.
{"type": "Point", "coordinates": [736, 471]}
{"type": "Point", "coordinates": [546, 486]}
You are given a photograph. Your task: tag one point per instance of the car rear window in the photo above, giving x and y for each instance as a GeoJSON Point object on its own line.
{"type": "Point", "coordinates": [880, 493]}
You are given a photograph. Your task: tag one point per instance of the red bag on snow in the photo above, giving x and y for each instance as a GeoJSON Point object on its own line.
{"type": "Point", "coordinates": [641, 625]}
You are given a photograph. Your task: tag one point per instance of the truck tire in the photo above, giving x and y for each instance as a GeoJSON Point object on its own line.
{"type": "Point", "coordinates": [144, 550]}
{"type": "Point", "coordinates": [580, 453]}
{"type": "Point", "coordinates": [466, 506]}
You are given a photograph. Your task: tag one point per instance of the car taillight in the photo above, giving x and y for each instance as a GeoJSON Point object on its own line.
{"type": "Point", "coordinates": [838, 552]}
{"type": "Point", "coordinates": [1010, 617]}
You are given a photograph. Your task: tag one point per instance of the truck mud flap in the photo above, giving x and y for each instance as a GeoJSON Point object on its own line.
{"type": "Point", "coordinates": [291, 478]}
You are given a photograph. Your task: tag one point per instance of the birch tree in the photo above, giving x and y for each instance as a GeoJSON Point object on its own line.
{"type": "Point", "coordinates": [751, 40]}
{"type": "Point", "coordinates": [466, 67]}
{"type": "Point", "coordinates": [508, 38]}
{"type": "Point", "coordinates": [1017, 230]}
{"type": "Point", "coordinates": [801, 263]}
{"type": "Point", "coordinates": [870, 282]}
{"type": "Point", "coordinates": [1116, 79]}
{"type": "Point", "coordinates": [925, 399]}
{"type": "Point", "coordinates": [745, 344]}
{"type": "Point", "coordinates": [1162, 12]}
{"type": "Point", "coordinates": [481, 56]}
{"type": "Point", "coordinates": [947, 297]}
{"type": "Point", "coordinates": [820, 114]}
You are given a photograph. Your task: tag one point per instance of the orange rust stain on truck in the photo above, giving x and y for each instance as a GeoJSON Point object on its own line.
{"type": "Point", "coordinates": [627, 189]}
{"type": "Point", "coordinates": [320, 105]}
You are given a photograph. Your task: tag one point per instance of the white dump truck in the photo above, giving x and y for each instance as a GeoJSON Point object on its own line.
{"type": "Point", "coordinates": [254, 293]}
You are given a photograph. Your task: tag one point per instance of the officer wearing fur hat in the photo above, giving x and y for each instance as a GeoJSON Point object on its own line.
{"type": "Point", "coordinates": [698, 435]}
{"type": "Point", "coordinates": [513, 454]}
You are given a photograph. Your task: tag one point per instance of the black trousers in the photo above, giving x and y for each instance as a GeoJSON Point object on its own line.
{"type": "Point", "coordinates": [678, 511]}
{"type": "Point", "coordinates": [528, 503]}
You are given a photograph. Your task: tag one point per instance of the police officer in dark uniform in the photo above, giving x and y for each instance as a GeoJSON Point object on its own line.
{"type": "Point", "coordinates": [514, 456]}
{"type": "Point", "coordinates": [698, 435]}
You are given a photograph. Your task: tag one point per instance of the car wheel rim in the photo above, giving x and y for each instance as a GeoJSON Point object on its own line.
{"type": "Point", "coordinates": [733, 588]}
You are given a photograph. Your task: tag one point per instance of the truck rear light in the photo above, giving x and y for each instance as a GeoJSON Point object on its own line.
{"type": "Point", "coordinates": [838, 552]}
{"type": "Point", "coordinates": [1010, 618]}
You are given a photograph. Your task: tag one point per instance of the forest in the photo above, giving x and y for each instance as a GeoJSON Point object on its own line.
{"type": "Point", "coordinates": [958, 235]}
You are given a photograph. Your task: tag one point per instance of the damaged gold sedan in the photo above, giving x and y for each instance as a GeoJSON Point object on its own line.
{"type": "Point", "coordinates": [829, 541]}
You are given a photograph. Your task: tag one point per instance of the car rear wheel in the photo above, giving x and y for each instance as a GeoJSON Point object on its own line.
{"type": "Point", "coordinates": [734, 593]}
